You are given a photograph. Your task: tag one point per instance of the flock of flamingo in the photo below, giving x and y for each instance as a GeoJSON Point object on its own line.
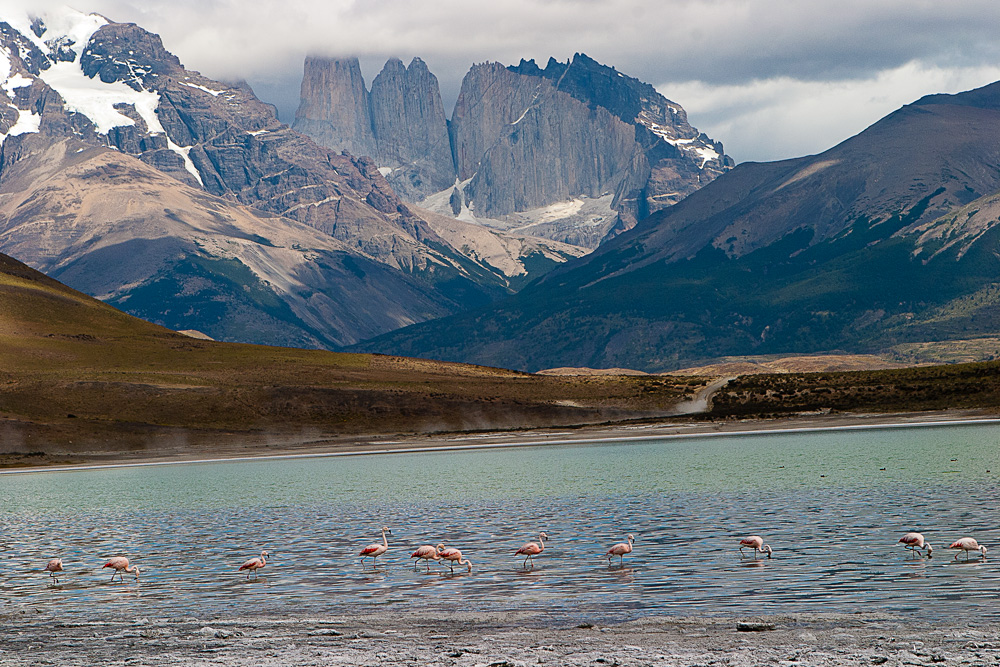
{"type": "Point", "coordinates": [914, 542]}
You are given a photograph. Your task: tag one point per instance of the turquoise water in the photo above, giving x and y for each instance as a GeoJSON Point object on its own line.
{"type": "Point", "coordinates": [821, 500]}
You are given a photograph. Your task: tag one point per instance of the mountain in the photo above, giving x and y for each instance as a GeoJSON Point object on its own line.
{"type": "Point", "coordinates": [400, 123]}
{"type": "Point", "coordinates": [185, 201]}
{"type": "Point", "coordinates": [82, 380]}
{"type": "Point", "coordinates": [575, 152]}
{"type": "Point", "coordinates": [890, 237]}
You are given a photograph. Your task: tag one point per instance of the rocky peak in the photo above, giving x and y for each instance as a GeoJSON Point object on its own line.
{"type": "Point", "coordinates": [588, 131]}
{"type": "Point", "coordinates": [400, 123]}
{"type": "Point", "coordinates": [334, 107]}
{"type": "Point", "coordinates": [411, 131]}
{"type": "Point", "coordinates": [127, 53]}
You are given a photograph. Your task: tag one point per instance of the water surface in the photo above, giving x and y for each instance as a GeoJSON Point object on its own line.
{"type": "Point", "coordinates": [831, 505]}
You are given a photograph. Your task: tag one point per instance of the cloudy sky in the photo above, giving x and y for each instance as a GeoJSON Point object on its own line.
{"type": "Point", "coordinates": [769, 78]}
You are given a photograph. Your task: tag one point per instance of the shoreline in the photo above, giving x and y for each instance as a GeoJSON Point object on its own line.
{"type": "Point", "coordinates": [290, 448]}
{"type": "Point", "coordinates": [502, 639]}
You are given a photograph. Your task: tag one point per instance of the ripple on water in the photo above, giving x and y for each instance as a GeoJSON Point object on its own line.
{"type": "Point", "coordinates": [822, 501]}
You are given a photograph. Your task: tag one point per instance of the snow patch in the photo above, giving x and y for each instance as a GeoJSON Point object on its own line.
{"type": "Point", "coordinates": [385, 171]}
{"type": "Point", "coordinates": [96, 100]}
{"type": "Point", "coordinates": [14, 82]}
{"type": "Point", "coordinates": [557, 211]}
{"type": "Point", "coordinates": [26, 123]}
{"type": "Point", "coordinates": [213, 93]}
{"type": "Point", "coordinates": [706, 154]}
{"type": "Point", "coordinates": [184, 152]}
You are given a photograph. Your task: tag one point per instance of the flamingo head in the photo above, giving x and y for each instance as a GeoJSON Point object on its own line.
{"type": "Point", "coordinates": [631, 538]}
{"type": "Point", "coordinates": [983, 550]}
{"type": "Point", "coordinates": [930, 550]}
{"type": "Point", "coordinates": [767, 550]}
{"type": "Point", "coordinates": [385, 529]}
{"type": "Point", "coordinates": [264, 555]}
{"type": "Point", "coordinates": [543, 536]}
{"type": "Point", "coordinates": [137, 571]}
{"type": "Point", "coordinates": [440, 547]}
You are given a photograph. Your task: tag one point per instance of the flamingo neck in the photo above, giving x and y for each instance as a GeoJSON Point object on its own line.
{"type": "Point", "coordinates": [385, 540]}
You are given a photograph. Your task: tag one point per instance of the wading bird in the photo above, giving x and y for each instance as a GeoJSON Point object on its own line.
{"type": "Point", "coordinates": [532, 549]}
{"type": "Point", "coordinates": [755, 542]}
{"type": "Point", "coordinates": [376, 550]}
{"type": "Point", "coordinates": [53, 566]}
{"type": "Point", "coordinates": [915, 542]}
{"type": "Point", "coordinates": [120, 564]}
{"type": "Point", "coordinates": [427, 553]}
{"type": "Point", "coordinates": [620, 550]}
{"type": "Point", "coordinates": [254, 564]}
{"type": "Point", "coordinates": [968, 544]}
{"type": "Point", "coordinates": [455, 556]}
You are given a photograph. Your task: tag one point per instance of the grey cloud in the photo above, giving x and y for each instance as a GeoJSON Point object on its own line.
{"type": "Point", "coordinates": [717, 43]}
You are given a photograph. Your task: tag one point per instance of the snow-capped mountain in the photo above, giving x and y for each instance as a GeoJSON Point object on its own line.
{"type": "Point", "coordinates": [313, 243]}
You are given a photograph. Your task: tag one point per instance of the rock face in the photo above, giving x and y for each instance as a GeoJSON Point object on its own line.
{"type": "Point", "coordinates": [335, 109]}
{"type": "Point", "coordinates": [337, 240]}
{"type": "Point", "coordinates": [411, 132]}
{"type": "Point", "coordinates": [401, 123]}
{"type": "Point", "coordinates": [579, 128]}
{"type": "Point", "coordinates": [575, 135]}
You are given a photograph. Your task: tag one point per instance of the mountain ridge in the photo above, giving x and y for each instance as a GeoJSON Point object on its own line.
{"type": "Point", "coordinates": [114, 87]}
{"type": "Point", "coordinates": [848, 250]}
{"type": "Point", "coordinates": [584, 132]}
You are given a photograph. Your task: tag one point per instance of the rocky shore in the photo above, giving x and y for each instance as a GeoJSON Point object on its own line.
{"type": "Point", "coordinates": [496, 640]}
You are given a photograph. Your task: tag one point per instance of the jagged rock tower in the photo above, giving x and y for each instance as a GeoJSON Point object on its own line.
{"type": "Point", "coordinates": [575, 152]}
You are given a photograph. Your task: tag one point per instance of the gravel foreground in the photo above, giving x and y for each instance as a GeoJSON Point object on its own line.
{"type": "Point", "coordinates": [497, 640]}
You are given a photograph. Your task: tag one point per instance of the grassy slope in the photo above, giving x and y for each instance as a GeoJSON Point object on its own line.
{"type": "Point", "coordinates": [77, 375]}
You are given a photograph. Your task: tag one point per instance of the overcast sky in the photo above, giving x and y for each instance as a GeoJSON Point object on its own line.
{"type": "Point", "coordinates": [769, 78]}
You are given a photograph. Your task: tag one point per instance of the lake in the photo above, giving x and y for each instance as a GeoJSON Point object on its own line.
{"type": "Point", "coordinates": [831, 504]}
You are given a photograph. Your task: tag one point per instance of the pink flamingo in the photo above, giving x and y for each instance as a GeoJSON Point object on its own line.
{"type": "Point", "coordinates": [914, 542]}
{"type": "Point", "coordinates": [455, 556]}
{"type": "Point", "coordinates": [427, 553]}
{"type": "Point", "coordinates": [120, 564]}
{"type": "Point", "coordinates": [968, 544]}
{"type": "Point", "coordinates": [532, 549]}
{"type": "Point", "coordinates": [620, 550]}
{"type": "Point", "coordinates": [755, 542]}
{"type": "Point", "coordinates": [376, 550]}
{"type": "Point", "coordinates": [254, 564]}
{"type": "Point", "coordinates": [53, 566]}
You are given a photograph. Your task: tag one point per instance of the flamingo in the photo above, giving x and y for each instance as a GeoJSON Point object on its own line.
{"type": "Point", "coordinates": [532, 549]}
{"type": "Point", "coordinates": [53, 566]}
{"type": "Point", "coordinates": [914, 542]}
{"type": "Point", "coordinates": [620, 550]}
{"type": "Point", "coordinates": [455, 556]}
{"type": "Point", "coordinates": [968, 544]}
{"type": "Point", "coordinates": [376, 550]}
{"type": "Point", "coordinates": [120, 564]}
{"type": "Point", "coordinates": [427, 553]}
{"type": "Point", "coordinates": [254, 564]}
{"type": "Point", "coordinates": [756, 542]}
